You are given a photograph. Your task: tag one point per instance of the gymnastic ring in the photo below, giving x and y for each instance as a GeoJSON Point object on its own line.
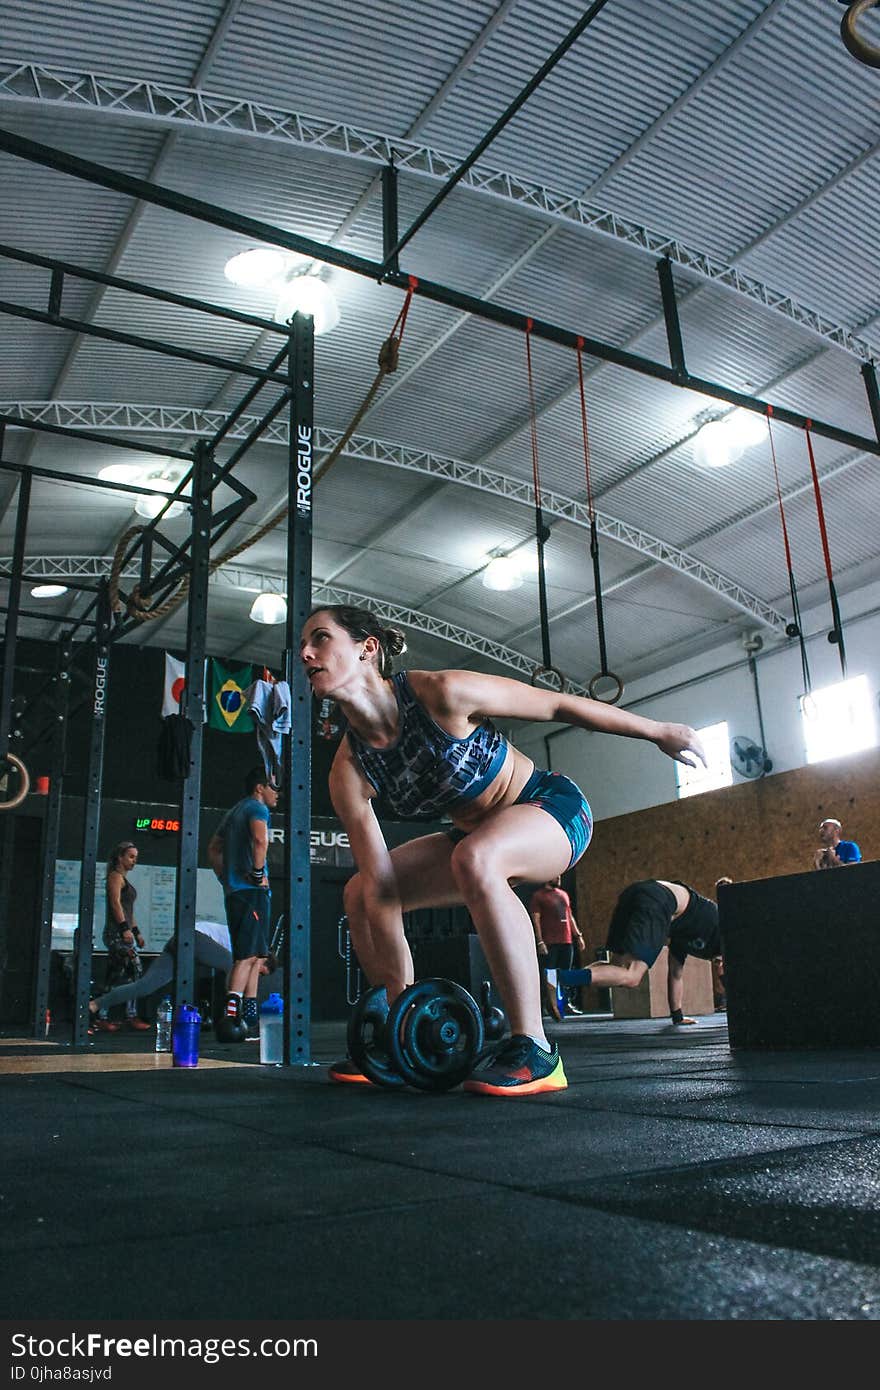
{"type": "Point", "coordinates": [544, 670]}
{"type": "Point", "coordinates": [854, 41]}
{"type": "Point", "coordinates": [24, 778]}
{"type": "Point", "coordinates": [605, 676]}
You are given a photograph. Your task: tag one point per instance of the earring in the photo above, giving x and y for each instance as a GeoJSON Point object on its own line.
{"type": "Point", "coordinates": [362, 657]}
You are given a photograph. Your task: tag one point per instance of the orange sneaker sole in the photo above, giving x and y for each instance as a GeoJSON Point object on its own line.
{"type": "Point", "coordinates": [350, 1079]}
{"type": "Point", "coordinates": [544, 1085]}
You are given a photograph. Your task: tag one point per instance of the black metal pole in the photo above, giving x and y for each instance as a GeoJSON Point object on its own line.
{"type": "Point", "coordinates": [114, 335]}
{"type": "Point", "coordinates": [10, 639]}
{"type": "Point", "coordinates": [51, 832]}
{"type": "Point", "coordinates": [390, 228]}
{"type": "Point", "coordinates": [91, 822]}
{"type": "Point", "coordinates": [670, 315]}
{"type": "Point", "coordinates": [161, 196]}
{"type": "Point", "coordinates": [191, 707]}
{"type": "Point", "coordinates": [297, 752]}
{"type": "Point", "coordinates": [559, 52]}
{"type": "Point", "coordinates": [10, 636]}
{"type": "Point", "coordinates": [43, 427]}
{"type": "Point", "coordinates": [870, 378]}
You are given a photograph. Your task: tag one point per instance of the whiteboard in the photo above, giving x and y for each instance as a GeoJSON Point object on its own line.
{"type": "Point", "coordinates": [155, 884]}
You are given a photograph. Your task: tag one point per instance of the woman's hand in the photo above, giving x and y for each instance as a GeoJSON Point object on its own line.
{"type": "Point", "coordinates": [542, 948]}
{"type": "Point", "coordinates": [140, 941]}
{"type": "Point", "coordinates": [682, 743]}
{"type": "Point", "coordinates": [128, 936]}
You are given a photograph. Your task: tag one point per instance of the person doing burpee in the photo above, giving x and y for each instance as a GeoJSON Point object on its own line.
{"type": "Point", "coordinates": [426, 741]}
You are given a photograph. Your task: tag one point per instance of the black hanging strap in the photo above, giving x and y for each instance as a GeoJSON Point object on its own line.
{"type": "Point", "coordinates": [795, 628]}
{"type": "Point", "coordinates": [603, 673]}
{"type": "Point", "coordinates": [542, 532]}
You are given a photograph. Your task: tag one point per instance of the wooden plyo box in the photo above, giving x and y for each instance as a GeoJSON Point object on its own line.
{"type": "Point", "coordinates": [649, 1000]}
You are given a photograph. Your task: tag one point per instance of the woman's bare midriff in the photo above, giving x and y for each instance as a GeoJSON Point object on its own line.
{"type": "Point", "coordinates": [503, 791]}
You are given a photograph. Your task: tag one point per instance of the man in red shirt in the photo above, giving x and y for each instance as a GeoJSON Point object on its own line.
{"type": "Point", "coordinates": [556, 933]}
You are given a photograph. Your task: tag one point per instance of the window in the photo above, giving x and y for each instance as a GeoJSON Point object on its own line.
{"type": "Point", "coordinates": [717, 773]}
{"type": "Point", "coordinates": [838, 720]}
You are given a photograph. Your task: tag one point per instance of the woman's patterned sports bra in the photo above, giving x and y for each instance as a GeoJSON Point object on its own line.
{"type": "Point", "coordinates": [427, 770]}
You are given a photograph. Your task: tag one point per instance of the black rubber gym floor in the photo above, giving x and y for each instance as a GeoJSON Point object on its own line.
{"type": "Point", "coordinates": [674, 1179]}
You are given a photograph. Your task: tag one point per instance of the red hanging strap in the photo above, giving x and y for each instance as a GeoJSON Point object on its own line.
{"type": "Point", "coordinates": [400, 322]}
{"type": "Point", "coordinates": [390, 349]}
{"type": "Point", "coordinates": [778, 490]}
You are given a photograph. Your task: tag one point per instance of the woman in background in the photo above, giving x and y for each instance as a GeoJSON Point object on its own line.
{"type": "Point", "coordinates": [122, 935]}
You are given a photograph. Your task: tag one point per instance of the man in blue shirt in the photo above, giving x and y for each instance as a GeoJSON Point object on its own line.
{"type": "Point", "coordinates": [833, 851]}
{"type": "Point", "coordinates": [237, 853]}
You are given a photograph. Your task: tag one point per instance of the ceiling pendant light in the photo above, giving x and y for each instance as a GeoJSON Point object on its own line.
{"type": "Point", "coordinates": [308, 294]}
{"type": "Point", "coordinates": [269, 609]}
{"type": "Point", "coordinates": [48, 590]}
{"type": "Point", "coordinates": [163, 480]}
{"type": "Point", "coordinates": [714, 445]}
{"type": "Point", "coordinates": [256, 268]}
{"type": "Point", "coordinates": [502, 573]}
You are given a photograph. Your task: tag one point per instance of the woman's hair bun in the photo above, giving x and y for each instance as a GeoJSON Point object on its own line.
{"type": "Point", "coordinates": [395, 641]}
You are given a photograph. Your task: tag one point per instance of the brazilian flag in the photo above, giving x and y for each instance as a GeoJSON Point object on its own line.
{"type": "Point", "coordinates": [226, 707]}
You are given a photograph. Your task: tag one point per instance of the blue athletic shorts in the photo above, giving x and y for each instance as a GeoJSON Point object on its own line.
{"type": "Point", "coordinates": [565, 802]}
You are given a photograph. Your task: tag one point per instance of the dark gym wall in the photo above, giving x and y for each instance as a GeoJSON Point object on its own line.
{"type": "Point", "coordinates": [134, 722]}
{"type": "Point", "coordinates": [755, 830]}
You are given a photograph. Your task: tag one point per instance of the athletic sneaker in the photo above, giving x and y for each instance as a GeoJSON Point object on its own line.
{"type": "Point", "coordinates": [519, 1067]}
{"type": "Point", "coordinates": [346, 1072]}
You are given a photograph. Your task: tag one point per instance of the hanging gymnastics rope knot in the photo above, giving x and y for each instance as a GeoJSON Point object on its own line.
{"type": "Point", "coordinates": [389, 354]}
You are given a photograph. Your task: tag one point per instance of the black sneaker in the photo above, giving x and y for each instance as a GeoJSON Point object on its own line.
{"type": "Point", "coordinates": [518, 1067]}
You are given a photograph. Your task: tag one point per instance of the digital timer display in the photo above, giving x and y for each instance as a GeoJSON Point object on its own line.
{"type": "Point", "coordinates": [157, 823]}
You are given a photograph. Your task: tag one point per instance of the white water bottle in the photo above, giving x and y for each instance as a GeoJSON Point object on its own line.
{"type": "Point", "coordinates": [272, 1031]}
{"type": "Point", "coordinates": [164, 1015]}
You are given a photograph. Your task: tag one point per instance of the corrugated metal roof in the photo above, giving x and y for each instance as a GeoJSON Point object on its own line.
{"type": "Point", "coordinates": [742, 131]}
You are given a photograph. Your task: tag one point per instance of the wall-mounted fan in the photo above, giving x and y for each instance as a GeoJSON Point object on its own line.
{"type": "Point", "coordinates": [748, 758]}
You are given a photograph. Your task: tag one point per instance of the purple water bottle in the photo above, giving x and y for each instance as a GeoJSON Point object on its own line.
{"type": "Point", "coordinates": [185, 1037]}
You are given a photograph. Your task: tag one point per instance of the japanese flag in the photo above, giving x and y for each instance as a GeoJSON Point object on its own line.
{"type": "Point", "coordinates": [174, 681]}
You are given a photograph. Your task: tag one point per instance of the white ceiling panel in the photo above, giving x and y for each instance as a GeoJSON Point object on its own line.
{"type": "Point", "coordinates": [740, 139]}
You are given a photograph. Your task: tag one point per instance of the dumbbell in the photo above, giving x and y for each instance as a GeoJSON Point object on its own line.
{"type": "Point", "coordinates": [366, 1039]}
{"type": "Point", "coordinates": [434, 1034]}
{"type": "Point", "coordinates": [430, 1038]}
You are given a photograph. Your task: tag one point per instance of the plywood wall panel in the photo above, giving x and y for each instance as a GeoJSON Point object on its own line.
{"type": "Point", "coordinates": [754, 830]}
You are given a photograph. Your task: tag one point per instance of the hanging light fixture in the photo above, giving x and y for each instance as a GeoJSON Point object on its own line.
{"type": "Point", "coordinates": [48, 590]}
{"type": "Point", "coordinates": [747, 428]}
{"type": "Point", "coordinates": [163, 480]}
{"type": "Point", "coordinates": [269, 608]}
{"type": "Point", "coordinates": [122, 473]}
{"type": "Point", "coordinates": [308, 294]}
{"type": "Point", "coordinates": [715, 446]}
{"type": "Point", "coordinates": [502, 573]}
{"type": "Point", "coordinates": [256, 268]}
